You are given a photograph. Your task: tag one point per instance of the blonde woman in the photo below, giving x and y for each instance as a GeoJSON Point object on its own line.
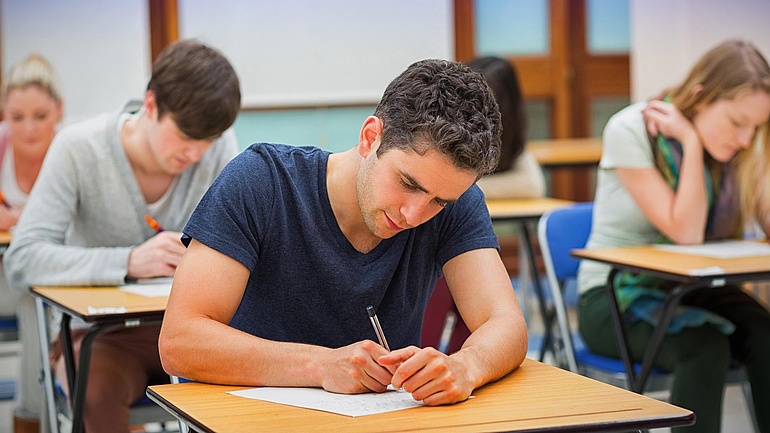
{"type": "Point", "coordinates": [32, 109]}
{"type": "Point", "coordinates": [688, 167]}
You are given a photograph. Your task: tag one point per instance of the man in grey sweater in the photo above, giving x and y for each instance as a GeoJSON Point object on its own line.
{"type": "Point", "coordinates": [84, 223]}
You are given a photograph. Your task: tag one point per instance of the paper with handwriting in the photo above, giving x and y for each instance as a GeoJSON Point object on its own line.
{"type": "Point", "coordinates": [344, 404]}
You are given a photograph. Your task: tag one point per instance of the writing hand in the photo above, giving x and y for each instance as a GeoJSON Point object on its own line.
{"type": "Point", "coordinates": [429, 375]}
{"type": "Point", "coordinates": [157, 256]}
{"type": "Point", "coordinates": [353, 369]}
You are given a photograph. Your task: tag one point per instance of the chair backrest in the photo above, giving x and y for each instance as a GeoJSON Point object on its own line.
{"type": "Point", "coordinates": [566, 229]}
{"type": "Point", "coordinates": [9, 329]}
{"type": "Point", "coordinates": [442, 326]}
{"type": "Point", "coordinates": [559, 232]}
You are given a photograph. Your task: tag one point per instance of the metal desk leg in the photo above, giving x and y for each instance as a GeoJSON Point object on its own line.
{"type": "Point", "coordinates": [620, 330]}
{"type": "Point", "coordinates": [544, 313]}
{"type": "Point", "coordinates": [78, 390]}
{"type": "Point", "coordinates": [656, 339]}
{"type": "Point", "coordinates": [42, 327]}
{"type": "Point", "coordinates": [68, 353]}
{"type": "Point", "coordinates": [637, 381]}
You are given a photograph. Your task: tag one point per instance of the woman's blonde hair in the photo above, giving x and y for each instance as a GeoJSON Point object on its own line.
{"type": "Point", "coordinates": [33, 70]}
{"type": "Point", "coordinates": [732, 69]}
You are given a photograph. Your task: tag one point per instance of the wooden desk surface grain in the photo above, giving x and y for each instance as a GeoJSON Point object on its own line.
{"type": "Point", "coordinates": [686, 265]}
{"type": "Point", "coordinates": [566, 152]}
{"type": "Point", "coordinates": [523, 208]}
{"type": "Point", "coordinates": [76, 300]}
{"type": "Point", "coordinates": [534, 398]}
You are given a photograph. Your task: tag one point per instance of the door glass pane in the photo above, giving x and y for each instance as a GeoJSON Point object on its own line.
{"type": "Point", "coordinates": [538, 113]}
{"type": "Point", "coordinates": [601, 111]}
{"type": "Point", "coordinates": [608, 26]}
{"type": "Point", "coordinates": [504, 27]}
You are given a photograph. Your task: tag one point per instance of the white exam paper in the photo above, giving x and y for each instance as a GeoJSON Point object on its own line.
{"type": "Point", "coordinates": [151, 288]}
{"type": "Point", "coordinates": [721, 250]}
{"type": "Point", "coordinates": [343, 404]}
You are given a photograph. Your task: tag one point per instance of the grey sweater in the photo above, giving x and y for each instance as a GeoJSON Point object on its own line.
{"type": "Point", "coordinates": [86, 210]}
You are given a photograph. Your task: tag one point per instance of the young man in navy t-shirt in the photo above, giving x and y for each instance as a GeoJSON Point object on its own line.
{"type": "Point", "coordinates": [291, 244]}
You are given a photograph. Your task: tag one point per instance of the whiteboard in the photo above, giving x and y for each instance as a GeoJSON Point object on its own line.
{"type": "Point", "coordinates": [318, 52]}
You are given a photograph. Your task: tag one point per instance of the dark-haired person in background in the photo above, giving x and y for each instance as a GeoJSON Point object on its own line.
{"type": "Point", "coordinates": [84, 222]}
{"type": "Point", "coordinates": [518, 175]}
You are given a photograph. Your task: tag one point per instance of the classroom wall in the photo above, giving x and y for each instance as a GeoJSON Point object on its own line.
{"type": "Point", "coordinates": [99, 48]}
{"type": "Point", "coordinates": [668, 36]}
{"type": "Point", "coordinates": [288, 52]}
{"type": "Point", "coordinates": [312, 52]}
{"type": "Point", "coordinates": [299, 52]}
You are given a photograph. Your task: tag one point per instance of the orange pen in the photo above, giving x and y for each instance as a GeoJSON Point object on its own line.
{"type": "Point", "coordinates": [154, 224]}
{"type": "Point", "coordinates": [2, 200]}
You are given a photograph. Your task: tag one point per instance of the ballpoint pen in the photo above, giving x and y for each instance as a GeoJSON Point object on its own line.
{"type": "Point", "coordinates": [377, 327]}
{"type": "Point", "coordinates": [154, 224]}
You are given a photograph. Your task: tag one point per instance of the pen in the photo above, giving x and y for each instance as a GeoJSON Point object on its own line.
{"type": "Point", "coordinates": [3, 201]}
{"type": "Point", "coordinates": [154, 224]}
{"type": "Point", "coordinates": [377, 327]}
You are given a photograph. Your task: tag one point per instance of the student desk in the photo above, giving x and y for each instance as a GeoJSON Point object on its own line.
{"type": "Point", "coordinates": [524, 212]}
{"type": "Point", "coordinates": [5, 240]}
{"type": "Point", "coordinates": [75, 302]}
{"type": "Point", "coordinates": [691, 272]}
{"type": "Point", "coordinates": [575, 152]}
{"type": "Point", "coordinates": [571, 163]}
{"type": "Point", "coordinates": [533, 398]}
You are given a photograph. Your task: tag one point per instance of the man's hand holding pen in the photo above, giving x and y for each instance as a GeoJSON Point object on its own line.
{"type": "Point", "coordinates": [156, 257]}
{"type": "Point", "coordinates": [429, 375]}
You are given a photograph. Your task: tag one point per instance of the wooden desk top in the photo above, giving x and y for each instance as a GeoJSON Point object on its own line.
{"type": "Point", "coordinates": [678, 266]}
{"type": "Point", "coordinates": [526, 208]}
{"type": "Point", "coordinates": [76, 300]}
{"type": "Point", "coordinates": [534, 398]}
{"type": "Point", "coordinates": [567, 152]}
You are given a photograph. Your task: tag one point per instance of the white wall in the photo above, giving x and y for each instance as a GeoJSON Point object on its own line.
{"type": "Point", "coordinates": [320, 51]}
{"type": "Point", "coordinates": [286, 52]}
{"type": "Point", "coordinates": [669, 36]}
{"type": "Point", "coordinates": [99, 48]}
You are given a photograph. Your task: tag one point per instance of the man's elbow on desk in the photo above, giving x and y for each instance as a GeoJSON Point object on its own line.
{"type": "Point", "coordinates": [171, 353]}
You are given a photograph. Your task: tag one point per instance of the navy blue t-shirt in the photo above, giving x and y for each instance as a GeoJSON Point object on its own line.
{"type": "Point", "coordinates": [269, 209]}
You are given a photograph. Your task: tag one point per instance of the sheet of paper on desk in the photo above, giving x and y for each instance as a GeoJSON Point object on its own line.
{"type": "Point", "coordinates": [721, 250]}
{"type": "Point", "coordinates": [151, 288]}
{"type": "Point", "coordinates": [343, 404]}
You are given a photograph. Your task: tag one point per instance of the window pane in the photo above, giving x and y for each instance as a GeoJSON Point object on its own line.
{"type": "Point", "coordinates": [538, 119]}
{"type": "Point", "coordinates": [601, 111]}
{"type": "Point", "coordinates": [504, 27]}
{"type": "Point", "coordinates": [608, 26]}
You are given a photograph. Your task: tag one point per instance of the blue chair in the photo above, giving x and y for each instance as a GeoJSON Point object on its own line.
{"type": "Point", "coordinates": [559, 232]}
{"type": "Point", "coordinates": [9, 347]}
